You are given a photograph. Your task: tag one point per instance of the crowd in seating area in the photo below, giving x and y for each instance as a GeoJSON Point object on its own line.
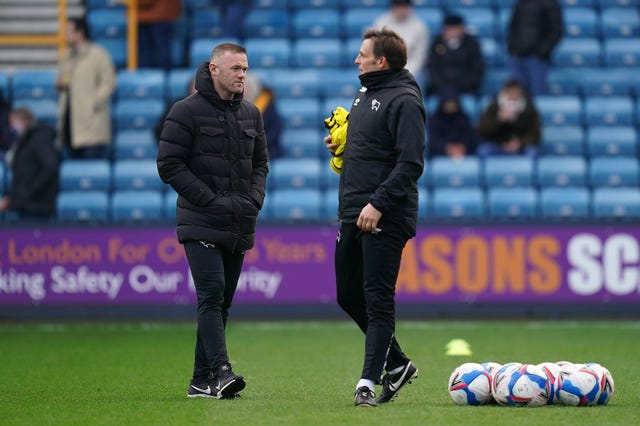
{"type": "Point", "coordinates": [585, 165]}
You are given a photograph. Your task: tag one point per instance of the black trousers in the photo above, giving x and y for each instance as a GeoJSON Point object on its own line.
{"type": "Point", "coordinates": [215, 273]}
{"type": "Point", "coordinates": [367, 267]}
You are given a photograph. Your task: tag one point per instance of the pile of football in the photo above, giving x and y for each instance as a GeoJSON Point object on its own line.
{"type": "Point", "coordinates": [531, 385]}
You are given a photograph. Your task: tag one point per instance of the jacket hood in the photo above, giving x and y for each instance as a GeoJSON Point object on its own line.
{"type": "Point", "coordinates": [204, 86]}
{"type": "Point", "coordinates": [390, 79]}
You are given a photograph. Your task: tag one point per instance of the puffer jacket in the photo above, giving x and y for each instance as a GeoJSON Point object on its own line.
{"type": "Point", "coordinates": [213, 153]}
{"type": "Point", "coordinates": [384, 154]}
{"type": "Point", "coordinates": [535, 28]}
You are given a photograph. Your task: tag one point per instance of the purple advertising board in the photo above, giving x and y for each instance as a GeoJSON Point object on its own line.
{"type": "Point", "coordinates": [546, 264]}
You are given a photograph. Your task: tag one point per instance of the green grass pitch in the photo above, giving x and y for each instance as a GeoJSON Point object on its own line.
{"type": "Point", "coordinates": [298, 373]}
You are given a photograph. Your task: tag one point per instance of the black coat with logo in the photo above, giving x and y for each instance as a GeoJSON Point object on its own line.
{"type": "Point", "coordinates": [535, 29]}
{"type": "Point", "coordinates": [384, 154]}
{"type": "Point", "coordinates": [213, 153]}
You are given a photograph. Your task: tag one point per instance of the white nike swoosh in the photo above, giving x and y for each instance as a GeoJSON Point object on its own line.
{"type": "Point", "coordinates": [207, 390]}
{"type": "Point", "coordinates": [394, 386]}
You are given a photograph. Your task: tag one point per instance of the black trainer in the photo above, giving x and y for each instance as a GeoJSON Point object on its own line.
{"type": "Point", "coordinates": [200, 390]}
{"type": "Point", "coordinates": [226, 384]}
{"type": "Point", "coordinates": [365, 397]}
{"type": "Point", "coordinates": [392, 383]}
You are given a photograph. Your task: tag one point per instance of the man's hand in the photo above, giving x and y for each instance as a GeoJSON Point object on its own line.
{"type": "Point", "coordinates": [330, 145]}
{"type": "Point", "coordinates": [368, 219]}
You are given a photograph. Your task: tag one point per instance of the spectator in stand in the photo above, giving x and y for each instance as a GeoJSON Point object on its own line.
{"type": "Point", "coordinates": [450, 130]}
{"type": "Point", "coordinates": [86, 79]}
{"type": "Point", "coordinates": [234, 12]}
{"type": "Point", "coordinates": [263, 98]}
{"type": "Point", "coordinates": [455, 59]}
{"type": "Point", "coordinates": [415, 33]}
{"type": "Point", "coordinates": [535, 30]}
{"type": "Point", "coordinates": [155, 32]}
{"type": "Point", "coordinates": [511, 124]}
{"type": "Point", "coordinates": [34, 163]}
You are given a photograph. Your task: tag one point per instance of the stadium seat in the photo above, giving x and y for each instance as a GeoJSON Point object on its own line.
{"type": "Point", "coordinates": [356, 4]}
{"type": "Point", "coordinates": [339, 82]}
{"type": "Point", "coordinates": [507, 171]}
{"type": "Point", "coordinates": [605, 82]}
{"type": "Point", "coordinates": [565, 203]}
{"type": "Point", "coordinates": [107, 23]}
{"type": "Point", "coordinates": [316, 23]}
{"type": "Point", "coordinates": [303, 204]}
{"type": "Point", "coordinates": [616, 203]}
{"type": "Point", "coordinates": [493, 80]}
{"type": "Point", "coordinates": [295, 173]}
{"type": "Point", "coordinates": [504, 20]}
{"type": "Point", "coordinates": [140, 84]}
{"type": "Point", "coordinates": [178, 81]}
{"type": "Point", "coordinates": [301, 143]}
{"type": "Point", "coordinates": [581, 22]}
{"type": "Point", "coordinates": [33, 84]}
{"type": "Point", "coordinates": [136, 175]}
{"type": "Point", "coordinates": [620, 22]}
{"type": "Point", "coordinates": [132, 144]}
{"type": "Point", "coordinates": [611, 111]}
{"type": "Point", "coordinates": [314, 4]}
{"type": "Point", "coordinates": [562, 140]}
{"type": "Point", "coordinates": [424, 204]}
{"type": "Point", "coordinates": [169, 205]}
{"type": "Point", "coordinates": [614, 172]}
{"type": "Point", "coordinates": [622, 52]}
{"type": "Point", "coordinates": [447, 172]}
{"type": "Point", "coordinates": [45, 110]}
{"type": "Point", "coordinates": [317, 53]}
{"type": "Point", "coordinates": [268, 53]}
{"type": "Point", "coordinates": [458, 203]}
{"type": "Point", "coordinates": [356, 20]}
{"type": "Point", "coordinates": [431, 15]}
{"type": "Point", "coordinates": [117, 49]}
{"type": "Point", "coordinates": [329, 104]}
{"type": "Point", "coordinates": [612, 141]}
{"type": "Point", "coordinates": [329, 204]}
{"type": "Point", "coordinates": [200, 49]}
{"type": "Point", "coordinates": [467, 3]}
{"type": "Point", "coordinates": [565, 81]}
{"type": "Point", "coordinates": [138, 114]}
{"type": "Point", "coordinates": [136, 206]}
{"type": "Point", "coordinates": [512, 203]}
{"type": "Point", "coordinates": [492, 52]}
{"type": "Point", "coordinates": [5, 85]}
{"type": "Point", "coordinates": [295, 83]}
{"type": "Point", "coordinates": [267, 23]}
{"type": "Point", "coordinates": [85, 175]}
{"type": "Point", "coordinates": [103, 4]}
{"type": "Point", "coordinates": [617, 3]}
{"type": "Point", "coordinates": [479, 21]}
{"type": "Point", "coordinates": [561, 171]}
{"type": "Point", "coordinates": [82, 206]}
{"type": "Point", "coordinates": [559, 110]}
{"type": "Point", "coordinates": [267, 4]}
{"type": "Point", "coordinates": [303, 112]}
{"type": "Point", "coordinates": [578, 3]}
{"type": "Point", "coordinates": [578, 52]}
{"type": "Point", "coordinates": [206, 22]}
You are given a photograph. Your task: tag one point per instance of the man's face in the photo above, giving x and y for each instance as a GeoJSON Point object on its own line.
{"type": "Point", "coordinates": [228, 72]}
{"type": "Point", "coordinates": [365, 60]}
{"type": "Point", "coordinates": [401, 12]}
{"type": "Point", "coordinates": [452, 32]}
{"type": "Point", "coordinates": [71, 36]}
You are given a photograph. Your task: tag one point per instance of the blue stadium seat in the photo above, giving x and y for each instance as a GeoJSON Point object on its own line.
{"type": "Point", "coordinates": [318, 53]}
{"type": "Point", "coordinates": [356, 4]}
{"type": "Point", "coordinates": [329, 104]}
{"type": "Point", "coordinates": [429, 3]}
{"type": "Point", "coordinates": [424, 204]}
{"type": "Point", "coordinates": [132, 144]}
{"type": "Point", "coordinates": [581, 22]}
{"type": "Point", "coordinates": [578, 3]}
{"type": "Point", "coordinates": [356, 21]}
{"type": "Point", "coordinates": [612, 140]}
{"type": "Point", "coordinates": [493, 80]}
{"type": "Point", "coordinates": [339, 82]}
{"type": "Point", "coordinates": [329, 178]}
{"type": "Point", "coordinates": [33, 84]}
{"type": "Point", "coordinates": [618, 3]}
{"type": "Point", "coordinates": [467, 3]}
{"type": "Point", "coordinates": [138, 114]}
{"type": "Point", "coordinates": [268, 23]}
{"type": "Point", "coordinates": [458, 203]}
{"type": "Point", "coordinates": [431, 15]}
{"type": "Point", "coordinates": [136, 175]}
{"type": "Point", "coordinates": [620, 22]}
{"type": "Point", "coordinates": [85, 175]}
{"type": "Point", "coordinates": [178, 82]}
{"type": "Point", "coordinates": [479, 21]}
{"type": "Point", "coordinates": [562, 140]}
{"type": "Point", "coordinates": [503, 21]}
{"type": "Point", "coordinates": [295, 173]}
{"type": "Point", "coordinates": [492, 51]}
{"type": "Point", "coordinates": [295, 83]}
{"type": "Point", "coordinates": [508, 171]}
{"type": "Point", "coordinates": [578, 52]}
{"type": "Point", "coordinates": [605, 82]}
{"type": "Point", "coordinates": [314, 4]}
{"type": "Point", "coordinates": [512, 203]}
{"type": "Point", "coordinates": [316, 23]}
{"type": "Point", "coordinates": [140, 84]}
{"type": "Point", "coordinates": [200, 49]}
{"type": "Point", "coordinates": [565, 81]}
{"type": "Point", "coordinates": [297, 204]}
{"type": "Point", "coordinates": [266, 213]}
{"type": "Point", "coordinates": [561, 171]}
{"type": "Point", "coordinates": [329, 204]}
{"type": "Point", "coordinates": [117, 49]}
{"type": "Point", "coordinates": [102, 4]}
{"type": "Point", "coordinates": [616, 203]}
{"type": "Point", "coordinates": [268, 4]}
{"type": "Point", "coordinates": [565, 203]}
{"type": "Point", "coordinates": [136, 206]}
{"type": "Point", "coordinates": [622, 52]}
{"type": "Point", "coordinates": [301, 143]}
{"type": "Point", "coordinates": [303, 112]}
{"type": "Point", "coordinates": [614, 172]}
{"type": "Point", "coordinates": [559, 110]}
{"type": "Point", "coordinates": [447, 172]}
{"type": "Point", "coordinates": [107, 23]}
{"type": "Point", "coordinates": [206, 23]}
{"type": "Point", "coordinates": [4, 85]}
{"type": "Point", "coordinates": [169, 201]}
{"type": "Point", "coordinates": [268, 52]}
{"type": "Point", "coordinates": [82, 206]}
{"type": "Point", "coordinates": [45, 110]}
{"type": "Point", "coordinates": [611, 111]}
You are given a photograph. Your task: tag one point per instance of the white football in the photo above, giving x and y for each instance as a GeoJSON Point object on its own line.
{"type": "Point", "coordinates": [552, 370]}
{"type": "Point", "coordinates": [526, 386]}
{"type": "Point", "coordinates": [578, 386]}
{"type": "Point", "coordinates": [607, 386]}
{"type": "Point", "coordinates": [470, 384]}
{"type": "Point", "coordinates": [499, 382]}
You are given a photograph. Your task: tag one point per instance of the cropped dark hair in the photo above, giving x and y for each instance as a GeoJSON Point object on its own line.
{"type": "Point", "coordinates": [220, 49]}
{"type": "Point", "coordinates": [80, 24]}
{"type": "Point", "coordinates": [389, 44]}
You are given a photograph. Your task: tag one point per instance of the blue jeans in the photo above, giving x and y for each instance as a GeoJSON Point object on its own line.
{"type": "Point", "coordinates": [531, 71]}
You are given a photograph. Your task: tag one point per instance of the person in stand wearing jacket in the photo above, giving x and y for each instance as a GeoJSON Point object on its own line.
{"type": "Point", "coordinates": [213, 153]}
{"type": "Point", "coordinates": [450, 130]}
{"type": "Point", "coordinates": [378, 206]}
{"type": "Point", "coordinates": [534, 31]}
{"type": "Point", "coordinates": [34, 164]}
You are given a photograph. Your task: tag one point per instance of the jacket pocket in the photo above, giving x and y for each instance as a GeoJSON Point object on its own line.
{"type": "Point", "coordinates": [211, 140]}
{"type": "Point", "coordinates": [248, 141]}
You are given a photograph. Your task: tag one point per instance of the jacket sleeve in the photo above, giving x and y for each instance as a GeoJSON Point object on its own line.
{"type": "Point", "coordinates": [555, 30]}
{"type": "Point", "coordinates": [174, 149]}
{"type": "Point", "coordinates": [260, 166]}
{"type": "Point", "coordinates": [436, 79]}
{"type": "Point", "coordinates": [106, 79]}
{"type": "Point", "coordinates": [406, 122]}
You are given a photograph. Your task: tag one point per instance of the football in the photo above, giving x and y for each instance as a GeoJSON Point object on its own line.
{"type": "Point", "coordinates": [607, 386]}
{"type": "Point", "coordinates": [470, 384]}
{"type": "Point", "coordinates": [578, 386]}
{"type": "Point", "coordinates": [499, 382]}
{"type": "Point", "coordinates": [552, 370]}
{"type": "Point", "coordinates": [524, 386]}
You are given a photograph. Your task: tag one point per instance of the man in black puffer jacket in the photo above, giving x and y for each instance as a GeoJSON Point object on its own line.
{"type": "Point", "coordinates": [378, 205]}
{"type": "Point", "coordinates": [534, 31]}
{"type": "Point", "coordinates": [213, 153]}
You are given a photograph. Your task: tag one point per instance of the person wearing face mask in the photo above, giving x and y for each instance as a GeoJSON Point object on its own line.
{"type": "Point", "coordinates": [34, 164]}
{"type": "Point", "coordinates": [510, 124]}
{"type": "Point", "coordinates": [455, 59]}
{"type": "Point", "coordinates": [450, 131]}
